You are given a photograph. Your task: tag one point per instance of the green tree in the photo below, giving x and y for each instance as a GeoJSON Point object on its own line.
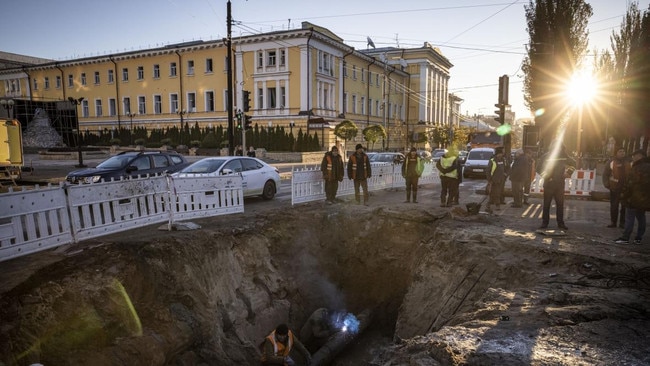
{"type": "Point", "coordinates": [346, 130]}
{"type": "Point", "coordinates": [373, 133]}
{"type": "Point", "coordinates": [557, 45]}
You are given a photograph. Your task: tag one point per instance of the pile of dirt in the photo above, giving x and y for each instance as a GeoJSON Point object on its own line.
{"type": "Point", "coordinates": [444, 287]}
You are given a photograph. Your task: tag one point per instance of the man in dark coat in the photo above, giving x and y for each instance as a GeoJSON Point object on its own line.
{"type": "Point", "coordinates": [359, 171]}
{"type": "Point", "coordinates": [519, 173]}
{"type": "Point", "coordinates": [636, 197]}
{"type": "Point", "coordinates": [556, 166]}
{"type": "Point", "coordinates": [333, 171]}
{"type": "Point", "coordinates": [614, 180]}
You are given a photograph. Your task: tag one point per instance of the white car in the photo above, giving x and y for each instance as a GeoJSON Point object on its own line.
{"type": "Point", "coordinates": [258, 177]}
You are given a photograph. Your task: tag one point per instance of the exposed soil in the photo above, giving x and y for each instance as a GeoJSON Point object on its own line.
{"type": "Point", "coordinates": [444, 288]}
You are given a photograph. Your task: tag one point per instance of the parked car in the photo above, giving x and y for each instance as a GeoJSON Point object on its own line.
{"type": "Point", "coordinates": [477, 162]}
{"type": "Point", "coordinates": [130, 164]}
{"type": "Point", "coordinates": [438, 153]}
{"type": "Point", "coordinates": [462, 156]}
{"type": "Point", "coordinates": [424, 155]}
{"type": "Point", "coordinates": [387, 157]}
{"type": "Point", "coordinates": [258, 177]}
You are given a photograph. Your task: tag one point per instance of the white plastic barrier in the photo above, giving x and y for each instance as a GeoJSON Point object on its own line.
{"type": "Point", "coordinates": [581, 183]}
{"type": "Point", "coordinates": [307, 184]}
{"type": "Point", "coordinates": [43, 218]}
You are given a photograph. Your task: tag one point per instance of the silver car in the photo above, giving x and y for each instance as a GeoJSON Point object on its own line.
{"type": "Point", "coordinates": [258, 177]}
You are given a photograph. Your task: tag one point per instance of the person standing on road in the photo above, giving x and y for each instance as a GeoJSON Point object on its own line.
{"type": "Point", "coordinates": [519, 173]}
{"type": "Point", "coordinates": [450, 178]}
{"type": "Point", "coordinates": [531, 175]}
{"type": "Point", "coordinates": [412, 169]}
{"type": "Point", "coordinates": [496, 178]}
{"type": "Point", "coordinates": [333, 171]}
{"type": "Point", "coordinates": [614, 180]}
{"type": "Point", "coordinates": [251, 152]}
{"type": "Point", "coordinates": [277, 347]}
{"type": "Point", "coordinates": [556, 166]}
{"type": "Point", "coordinates": [359, 170]}
{"type": "Point", "coordinates": [636, 197]}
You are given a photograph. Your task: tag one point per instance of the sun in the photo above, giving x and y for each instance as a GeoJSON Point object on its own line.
{"type": "Point", "coordinates": [581, 89]}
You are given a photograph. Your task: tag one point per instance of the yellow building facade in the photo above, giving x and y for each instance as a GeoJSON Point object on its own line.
{"type": "Point", "coordinates": [305, 78]}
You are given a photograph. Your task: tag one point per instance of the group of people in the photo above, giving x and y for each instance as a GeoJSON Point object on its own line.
{"type": "Point", "coordinates": [239, 151]}
{"type": "Point", "coordinates": [628, 181]}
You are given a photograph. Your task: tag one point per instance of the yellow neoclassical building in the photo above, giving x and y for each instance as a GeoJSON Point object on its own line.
{"type": "Point", "coordinates": [303, 78]}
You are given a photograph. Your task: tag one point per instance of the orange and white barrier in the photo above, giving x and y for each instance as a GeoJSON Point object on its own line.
{"type": "Point", "coordinates": [581, 183]}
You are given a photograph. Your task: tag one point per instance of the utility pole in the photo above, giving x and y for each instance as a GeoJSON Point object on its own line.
{"type": "Point", "coordinates": [231, 124]}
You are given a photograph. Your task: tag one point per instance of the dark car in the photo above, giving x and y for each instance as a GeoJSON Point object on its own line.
{"type": "Point", "coordinates": [130, 164]}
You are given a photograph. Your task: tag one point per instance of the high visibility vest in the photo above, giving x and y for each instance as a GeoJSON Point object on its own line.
{"type": "Point", "coordinates": [446, 163]}
{"type": "Point", "coordinates": [279, 349]}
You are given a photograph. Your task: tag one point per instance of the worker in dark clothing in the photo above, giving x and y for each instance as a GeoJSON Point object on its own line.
{"type": "Point", "coordinates": [519, 174]}
{"type": "Point", "coordinates": [333, 171]}
{"type": "Point", "coordinates": [359, 171]}
{"type": "Point", "coordinates": [412, 169]}
{"type": "Point", "coordinates": [318, 329]}
{"type": "Point", "coordinates": [614, 180]}
{"type": "Point", "coordinates": [556, 166]}
{"type": "Point", "coordinates": [497, 172]}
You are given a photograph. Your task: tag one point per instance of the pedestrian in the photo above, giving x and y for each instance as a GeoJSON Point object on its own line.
{"type": "Point", "coordinates": [519, 174]}
{"type": "Point", "coordinates": [278, 345]}
{"type": "Point", "coordinates": [614, 180]}
{"type": "Point", "coordinates": [333, 171]}
{"type": "Point", "coordinates": [531, 175]}
{"type": "Point", "coordinates": [636, 197]}
{"type": "Point", "coordinates": [359, 171]}
{"type": "Point", "coordinates": [239, 151]}
{"type": "Point", "coordinates": [318, 329]}
{"type": "Point", "coordinates": [412, 169]}
{"type": "Point", "coordinates": [555, 167]}
{"type": "Point", "coordinates": [497, 173]}
{"type": "Point", "coordinates": [450, 177]}
{"type": "Point", "coordinates": [251, 152]}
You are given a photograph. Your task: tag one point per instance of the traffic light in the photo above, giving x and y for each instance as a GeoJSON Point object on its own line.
{"type": "Point", "coordinates": [239, 118]}
{"type": "Point", "coordinates": [246, 100]}
{"type": "Point", "coordinates": [248, 123]}
{"type": "Point", "coordinates": [501, 113]}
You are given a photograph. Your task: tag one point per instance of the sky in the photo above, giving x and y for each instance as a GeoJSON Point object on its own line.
{"type": "Point", "coordinates": [482, 39]}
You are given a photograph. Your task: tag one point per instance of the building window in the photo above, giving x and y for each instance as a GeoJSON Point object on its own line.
{"type": "Point", "coordinates": [96, 77]}
{"type": "Point", "coordinates": [140, 73]}
{"type": "Point", "coordinates": [142, 105]}
{"type": "Point", "coordinates": [377, 108]}
{"type": "Point", "coordinates": [47, 83]}
{"type": "Point", "coordinates": [270, 61]}
{"type": "Point", "coordinates": [127, 105]}
{"type": "Point", "coordinates": [84, 108]}
{"type": "Point", "coordinates": [58, 82]}
{"type": "Point", "coordinates": [363, 75]}
{"type": "Point", "coordinates": [190, 67]}
{"type": "Point", "coordinates": [191, 102]}
{"type": "Point", "coordinates": [156, 71]}
{"type": "Point", "coordinates": [173, 103]}
{"type": "Point", "coordinates": [370, 106]}
{"type": "Point", "coordinates": [354, 72]}
{"type": "Point", "coordinates": [70, 81]}
{"type": "Point", "coordinates": [209, 101]}
{"type": "Point", "coordinates": [377, 80]}
{"type": "Point", "coordinates": [326, 97]}
{"type": "Point", "coordinates": [345, 102]}
{"type": "Point", "coordinates": [345, 70]}
{"type": "Point", "coordinates": [98, 108]}
{"type": "Point", "coordinates": [354, 104]}
{"type": "Point", "coordinates": [172, 69]}
{"type": "Point", "coordinates": [363, 105]}
{"type": "Point", "coordinates": [283, 57]}
{"type": "Point", "coordinates": [111, 76]}
{"type": "Point", "coordinates": [157, 104]}
{"type": "Point", "coordinates": [260, 59]}
{"type": "Point", "coordinates": [35, 84]}
{"type": "Point", "coordinates": [369, 77]}
{"type": "Point", "coordinates": [112, 107]}
{"type": "Point", "coordinates": [125, 74]}
{"type": "Point", "coordinates": [83, 78]}
{"type": "Point", "coordinates": [208, 66]}
{"type": "Point", "coordinates": [271, 101]}
{"type": "Point", "coordinates": [260, 98]}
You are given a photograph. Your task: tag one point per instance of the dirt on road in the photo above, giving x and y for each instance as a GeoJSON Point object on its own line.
{"type": "Point", "coordinates": [444, 288]}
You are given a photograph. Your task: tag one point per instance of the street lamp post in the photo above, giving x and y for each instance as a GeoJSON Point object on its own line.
{"type": "Point", "coordinates": [76, 102]}
{"type": "Point", "coordinates": [131, 115]}
{"type": "Point", "coordinates": [8, 105]}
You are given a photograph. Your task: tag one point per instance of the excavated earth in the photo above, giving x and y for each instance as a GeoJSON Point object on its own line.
{"type": "Point", "coordinates": [444, 288]}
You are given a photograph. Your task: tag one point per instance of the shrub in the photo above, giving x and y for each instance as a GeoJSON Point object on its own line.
{"type": "Point", "coordinates": [115, 141]}
{"type": "Point", "coordinates": [166, 141]}
{"type": "Point", "coordinates": [139, 141]}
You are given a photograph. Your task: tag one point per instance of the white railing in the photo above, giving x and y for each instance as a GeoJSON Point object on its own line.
{"type": "Point", "coordinates": [43, 218]}
{"type": "Point", "coordinates": [581, 183]}
{"type": "Point", "coordinates": [307, 184]}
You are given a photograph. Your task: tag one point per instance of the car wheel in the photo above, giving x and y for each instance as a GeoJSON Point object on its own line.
{"type": "Point", "coordinates": [269, 190]}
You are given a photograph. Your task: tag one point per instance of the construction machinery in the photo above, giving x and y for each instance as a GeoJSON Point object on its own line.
{"type": "Point", "coordinates": [11, 150]}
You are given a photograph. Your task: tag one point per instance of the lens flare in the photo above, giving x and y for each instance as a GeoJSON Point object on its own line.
{"type": "Point", "coordinates": [503, 130]}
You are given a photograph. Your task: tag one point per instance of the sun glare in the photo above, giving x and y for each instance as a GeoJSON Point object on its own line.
{"type": "Point", "coordinates": [581, 89]}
